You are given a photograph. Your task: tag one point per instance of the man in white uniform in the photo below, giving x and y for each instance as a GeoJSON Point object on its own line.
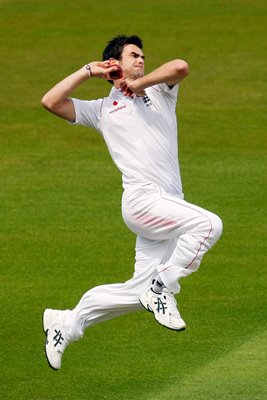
{"type": "Point", "coordinates": [138, 123]}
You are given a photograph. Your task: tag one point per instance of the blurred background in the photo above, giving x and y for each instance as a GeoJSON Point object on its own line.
{"type": "Point", "coordinates": [61, 230]}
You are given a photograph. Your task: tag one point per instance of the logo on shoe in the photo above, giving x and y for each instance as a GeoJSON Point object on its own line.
{"type": "Point", "coordinates": [160, 306]}
{"type": "Point", "coordinates": [58, 338]}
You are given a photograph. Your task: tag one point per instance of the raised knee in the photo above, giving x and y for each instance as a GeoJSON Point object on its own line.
{"type": "Point", "coordinates": [217, 228]}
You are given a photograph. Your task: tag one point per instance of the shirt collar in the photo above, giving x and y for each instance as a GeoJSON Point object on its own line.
{"type": "Point", "coordinates": [115, 93]}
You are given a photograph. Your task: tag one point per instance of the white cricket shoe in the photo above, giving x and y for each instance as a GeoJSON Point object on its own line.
{"type": "Point", "coordinates": [164, 307]}
{"type": "Point", "coordinates": [56, 337]}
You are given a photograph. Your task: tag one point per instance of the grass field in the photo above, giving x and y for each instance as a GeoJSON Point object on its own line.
{"type": "Point", "coordinates": [61, 230]}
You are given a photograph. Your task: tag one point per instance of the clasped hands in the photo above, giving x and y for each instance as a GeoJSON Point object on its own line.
{"type": "Point", "coordinates": [111, 71]}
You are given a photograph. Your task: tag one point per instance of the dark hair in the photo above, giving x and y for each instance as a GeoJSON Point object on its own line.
{"type": "Point", "coordinates": [115, 46]}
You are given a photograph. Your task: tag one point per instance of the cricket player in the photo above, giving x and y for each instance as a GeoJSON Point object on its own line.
{"type": "Point", "coordinates": [138, 123]}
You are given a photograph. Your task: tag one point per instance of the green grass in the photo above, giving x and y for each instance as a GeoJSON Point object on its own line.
{"type": "Point", "coordinates": [61, 230]}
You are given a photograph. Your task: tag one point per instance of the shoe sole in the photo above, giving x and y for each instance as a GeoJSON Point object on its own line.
{"type": "Point", "coordinates": [45, 323]}
{"type": "Point", "coordinates": [171, 329]}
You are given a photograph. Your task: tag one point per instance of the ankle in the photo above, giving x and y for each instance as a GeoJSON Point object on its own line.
{"type": "Point", "coordinates": [158, 285]}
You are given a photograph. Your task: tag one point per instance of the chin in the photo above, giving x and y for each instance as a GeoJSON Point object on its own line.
{"type": "Point", "coordinates": [138, 74]}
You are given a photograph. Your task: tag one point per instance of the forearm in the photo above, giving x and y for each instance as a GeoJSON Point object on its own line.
{"type": "Point", "coordinates": [61, 91]}
{"type": "Point", "coordinates": [57, 99]}
{"type": "Point", "coordinates": [171, 73]}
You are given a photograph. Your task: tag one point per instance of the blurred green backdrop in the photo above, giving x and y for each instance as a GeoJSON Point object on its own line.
{"type": "Point", "coordinates": [60, 225]}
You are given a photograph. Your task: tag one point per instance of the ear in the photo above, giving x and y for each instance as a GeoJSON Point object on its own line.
{"type": "Point", "coordinates": [113, 61]}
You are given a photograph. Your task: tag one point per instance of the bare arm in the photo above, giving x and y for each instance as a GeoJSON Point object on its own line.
{"type": "Point", "coordinates": [170, 73]}
{"type": "Point", "coordinates": [57, 100]}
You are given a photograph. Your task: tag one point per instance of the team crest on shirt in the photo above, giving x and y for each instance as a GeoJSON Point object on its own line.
{"type": "Point", "coordinates": [147, 100]}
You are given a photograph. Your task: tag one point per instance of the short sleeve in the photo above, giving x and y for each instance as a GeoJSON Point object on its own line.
{"type": "Point", "coordinates": [163, 95]}
{"type": "Point", "coordinates": [170, 92]}
{"type": "Point", "coordinates": [87, 112]}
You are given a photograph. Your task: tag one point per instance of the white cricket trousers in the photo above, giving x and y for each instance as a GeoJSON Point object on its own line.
{"type": "Point", "coordinates": [172, 237]}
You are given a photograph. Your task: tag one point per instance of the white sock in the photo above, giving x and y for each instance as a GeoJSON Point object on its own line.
{"type": "Point", "coordinates": [158, 285]}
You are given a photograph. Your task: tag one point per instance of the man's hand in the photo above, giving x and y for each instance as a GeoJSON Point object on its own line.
{"type": "Point", "coordinates": [103, 69]}
{"type": "Point", "coordinates": [132, 86]}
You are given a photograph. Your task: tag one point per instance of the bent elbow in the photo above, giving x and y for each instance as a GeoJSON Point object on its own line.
{"type": "Point", "coordinates": [46, 103]}
{"type": "Point", "coordinates": [49, 103]}
{"type": "Point", "coordinates": [182, 68]}
{"type": "Point", "coordinates": [185, 69]}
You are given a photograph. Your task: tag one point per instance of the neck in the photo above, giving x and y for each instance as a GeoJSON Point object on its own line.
{"type": "Point", "coordinates": [117, 83]}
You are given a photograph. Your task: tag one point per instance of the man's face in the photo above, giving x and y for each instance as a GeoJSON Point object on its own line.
{"type": "Point", "coordinates": [132, 62]}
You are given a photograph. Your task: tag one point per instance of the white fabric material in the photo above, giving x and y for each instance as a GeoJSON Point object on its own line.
{"type": "Point", "coordinates": [172, 235]}
{"type": "Point", "coordinates": [109, 301]}
{"type": "Point", "coordinates": [157, 215]}
{"type": "Point", "coordinates": [140, 133]}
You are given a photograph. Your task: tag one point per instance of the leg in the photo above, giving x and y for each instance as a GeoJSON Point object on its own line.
{"type": "Point", "coordinates": [195, 230]}
{"type": "Point", "coordinates": [104, 302]}
{"type": "Point", "coordinates": [109, 301]}
{"type": "Point", "coordinates": [203, 229]}
{"type": "Point", "coordinates": [162, 216]}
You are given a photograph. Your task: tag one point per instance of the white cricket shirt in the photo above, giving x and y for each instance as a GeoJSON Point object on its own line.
{"type": "Point", "coordinates": [140, 133]}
